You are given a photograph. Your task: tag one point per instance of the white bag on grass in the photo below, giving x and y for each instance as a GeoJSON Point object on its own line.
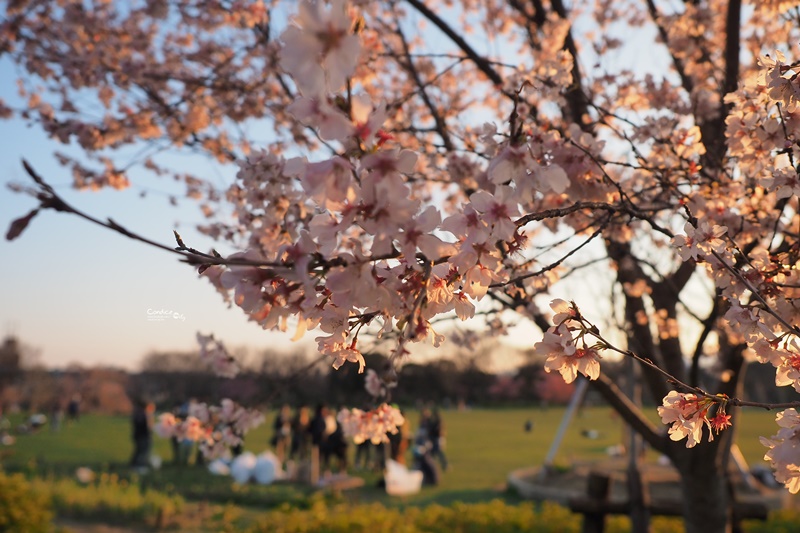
{"type": "Point", "coordinates": [400, 480]}
{"type": "Point", "coordinates": [219, 467]}
{"type": "Point", "coordinates": [242, 467]}
{"type": "Point", "coordinates": [267, 468]}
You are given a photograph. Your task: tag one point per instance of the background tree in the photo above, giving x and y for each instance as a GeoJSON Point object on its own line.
{"type": "Point", "coordinates": [666, 184]}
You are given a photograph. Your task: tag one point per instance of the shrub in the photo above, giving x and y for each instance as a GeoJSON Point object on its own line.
{"type": "Point", "coordinates": [21, 507]}
{"type": "Point", "coordinates": [112, 500]}
{"type": "Point", "coordinates": [495, 516]}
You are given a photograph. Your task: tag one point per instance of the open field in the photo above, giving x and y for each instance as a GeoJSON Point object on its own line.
{"type": "Point", "coordinates": [483, 446]}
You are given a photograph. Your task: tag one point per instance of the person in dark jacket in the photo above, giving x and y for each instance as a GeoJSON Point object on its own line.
{"type": "Point", "coordinates": [142, 433]}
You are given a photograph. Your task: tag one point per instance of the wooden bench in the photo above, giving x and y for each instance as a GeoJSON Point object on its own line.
{"type": "Point", "coordinates": [596, 504]}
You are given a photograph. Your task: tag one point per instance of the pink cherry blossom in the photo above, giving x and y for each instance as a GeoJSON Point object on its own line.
{"type": "Point", "coordinates": [331, 123]}
{"type": "Point", "coordinates": [371, 426]}
{"type": "Point", "coordinates": [784, 450]}
{"type": "Point", "coordinates": [565, 357]}
{"type": "Point", "coordinates": [320, 50]}
{"type": "Point", "coordinates": [498, 211]}
{"type": "Point", "coordinates": [165, 426]}
{"type": "Point", "coordinates": [700, 240]}
{"type": "Point", "coordinates": [687, 413]}
{"type": "Point", "coordinates": [373, 384]}
{"type": "Point", "coordinates": [564, 311]}
{"type": "Point", "coordinates": [213, 353]}
{"type": "Point", "coordinates": [780, 79]}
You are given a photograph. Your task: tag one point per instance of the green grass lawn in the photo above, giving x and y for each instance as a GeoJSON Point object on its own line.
{"type": "Point", "coordinates": [483, 446]}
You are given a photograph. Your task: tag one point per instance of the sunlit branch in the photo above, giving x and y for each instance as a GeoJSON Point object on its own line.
{"type": "Point", "coordinates": [441, 126]}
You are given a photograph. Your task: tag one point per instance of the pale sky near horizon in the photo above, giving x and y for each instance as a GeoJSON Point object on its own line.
{"type": "Point", "coordinates": [81, 293]}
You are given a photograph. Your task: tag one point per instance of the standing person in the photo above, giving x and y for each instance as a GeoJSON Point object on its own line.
{"type": "Point", "coordinates": [423, 461]}
{"type": "Point", "coordinates": [398, 443]}
{"type": "Point", "coordinates": [319, 435]}
{"type": "Point", "coordinates": [318, 426]}
{"type": "Point", "coordinates": [74, 408]}
{"type": "Point", "coordinates": [282, 437]}
{"type": "Point", "coordinates": [142, 424]}
{"type": "Point", "coordinates": [335, 446]}
{"type": "Point", "coordinates": [436, 435]}
{"type": "Point", "coordinates": [301, 434]}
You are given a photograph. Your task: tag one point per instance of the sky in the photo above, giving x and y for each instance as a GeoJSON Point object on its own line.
{"type": "Point", "coordinates": [79, 293]}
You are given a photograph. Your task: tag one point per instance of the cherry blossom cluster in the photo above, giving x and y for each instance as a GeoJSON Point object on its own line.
{"type": "Point", "coordinates": [700, 240]}
{"type": "Point", "coordinates": [131, 46]}
{"type": "Point", "coordinates": [568, 353]}
{"type": "Point", "coordinates": [373, 426]}
{"type": "Point", "coordinates": [214, 354]}
{"type": "Point", "coordinates": [347, 242]}
{"type": "Point", "coordinates": [190, 428]}
{"type": "Point", "coordinates": [321, 50]}
{"type": "Point", "coordinates": [780, 79]}
{"type": "Point", "coordinates": [758, 287]}
{"type": "Point", "coordinates": [216, 429]}
{"type": "Point", "coordinates": [784, 449]}
{"type": "Point", "coordinates": [688, 413]}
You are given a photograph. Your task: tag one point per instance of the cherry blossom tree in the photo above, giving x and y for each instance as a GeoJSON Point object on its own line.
{"type": "Point", "coordinates": [438, 162]}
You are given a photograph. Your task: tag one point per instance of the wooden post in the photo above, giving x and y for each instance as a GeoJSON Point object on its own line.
{"type": "Point", "coordinates": [598, 487]}
{"type": "Point", "coordinates": [639, 498]}
{"type": "Point", "coordinates": [638, 492]}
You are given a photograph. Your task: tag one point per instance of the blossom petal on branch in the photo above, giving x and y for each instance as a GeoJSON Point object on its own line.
{"type": "Point", "coordinates": [784, 450]}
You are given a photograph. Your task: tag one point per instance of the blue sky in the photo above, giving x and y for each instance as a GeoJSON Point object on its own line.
{"type": "Point", "coordinates": [81, 293]}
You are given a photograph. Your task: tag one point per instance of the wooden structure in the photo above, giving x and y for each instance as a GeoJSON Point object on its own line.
{"type": "Point", "coordinates": [640, 490]}
{"type": "Point", "coordinates": [598, 501]}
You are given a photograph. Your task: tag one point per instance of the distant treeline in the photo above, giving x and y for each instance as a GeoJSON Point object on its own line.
{"type": "Point", "coordinates": [444, 382]}
{"type": "Point", "coordinates": [447, 382]}
{"type": "Point", "coordinates": [169, 379]}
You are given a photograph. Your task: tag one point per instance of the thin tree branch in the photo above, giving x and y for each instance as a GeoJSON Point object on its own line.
{"type": "Point", "coordinates": [480, 61]}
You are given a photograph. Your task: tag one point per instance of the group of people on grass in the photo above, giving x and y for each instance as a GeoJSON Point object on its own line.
{"type": "Point", "coordinates": [299, 434]}
{"type": "Point", "coordinates": [296, 434]}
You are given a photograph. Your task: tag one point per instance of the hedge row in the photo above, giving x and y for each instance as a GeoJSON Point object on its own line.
{"type": "Point", "coordinates": [495, 516]}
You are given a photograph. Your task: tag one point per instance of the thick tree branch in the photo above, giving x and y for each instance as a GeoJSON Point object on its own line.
{"type": "Point", "coordinates": [640, 338]}
{"type": "Point", "coordinates": [576, 99]}
{"type": "Point", "coordinates": [686, 81]}
{"type": "Point", "coordinates": [732, 39]}
{"type": "Point", "coordinates": [713, 131]}
{"type": "Point", "coordinates": [630, 412]}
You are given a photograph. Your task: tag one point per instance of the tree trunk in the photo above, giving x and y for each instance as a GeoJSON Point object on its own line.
{"type": "Point", "coordinates": [705, 489]}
